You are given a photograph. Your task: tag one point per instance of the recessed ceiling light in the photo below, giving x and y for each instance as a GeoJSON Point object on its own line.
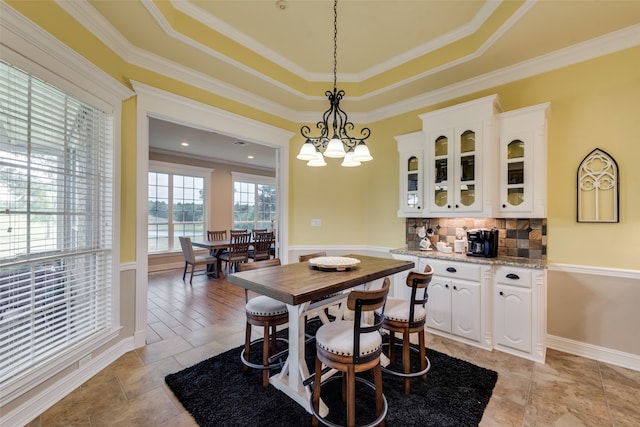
{"type": "Point", "coordinates": [184, 144]}
{"type": "Point", "coordinates": [249, 157]}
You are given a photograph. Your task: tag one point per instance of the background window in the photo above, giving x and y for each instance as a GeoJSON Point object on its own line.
{"type": "Point", "coordinates": [176, 208]}
{"type": "Point", "coordinates": [254, 203]}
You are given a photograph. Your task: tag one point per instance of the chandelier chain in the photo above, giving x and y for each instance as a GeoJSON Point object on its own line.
{"type": "Point", "coordinates": [335, 45]}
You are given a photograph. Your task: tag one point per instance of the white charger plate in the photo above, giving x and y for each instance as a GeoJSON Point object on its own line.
{"type": "Point", "coordinates": [338, 263]}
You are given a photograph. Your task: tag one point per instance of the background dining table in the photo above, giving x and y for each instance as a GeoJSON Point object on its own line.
{"type": "Point", "coordinates": [216, 247]}
{"type": "Point", "coordinates": [305, 290]}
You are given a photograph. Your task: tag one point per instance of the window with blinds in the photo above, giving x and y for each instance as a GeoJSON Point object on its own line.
{"type": "Point", "coordinates": [56, 188]}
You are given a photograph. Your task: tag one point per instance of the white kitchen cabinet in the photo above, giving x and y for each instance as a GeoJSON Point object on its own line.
{"type": "Point", "coordinates": [523, 159]}
{"type": "Point", "coordinates": [454, 307]}
{"type": "Point", "coordinates": [513, 317]}
{"type": "Point", "coordinates": [399, 288]}
{"type": "Point", "coordinates": [461, 154]}
{"type": "Point", "coordinates": [411, 153]}
{"type": "Point", "coordinates": [520, 311]}
{"type": "Point", "coordinates": [458, 305]}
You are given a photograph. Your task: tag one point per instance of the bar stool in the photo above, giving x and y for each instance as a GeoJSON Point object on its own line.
{"type": "Point", "coordinates": [268, 313]}
{"type": "Point", "coordinates": [408, 317]}
{"type": "Point", "coordinates": [352, 346]}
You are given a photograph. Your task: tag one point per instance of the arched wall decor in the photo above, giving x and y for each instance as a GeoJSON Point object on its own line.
{"type": "Point", "coordinates": [598, 188]}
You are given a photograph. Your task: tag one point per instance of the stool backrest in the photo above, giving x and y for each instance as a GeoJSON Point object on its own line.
{"type": "Point", "coordinates": [417, 281]}
{"type": "Point", "coordinates": [361, 302]}
{"type": "Point", "coordinates": [259, 264]}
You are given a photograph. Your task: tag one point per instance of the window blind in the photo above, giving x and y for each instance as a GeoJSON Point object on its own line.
{"type": "Point", "coordinates": [56, 190]}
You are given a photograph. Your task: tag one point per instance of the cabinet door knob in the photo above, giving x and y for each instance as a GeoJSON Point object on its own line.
{"type": "Point", "coordinates": [501, 293]}
{"type": "Point", "coordinates": [446, 286]}
{"type": "Point", "coordinates": [504, 206]}
{"type": "Point", "coordinates": [455, 288]}
{"type": "Point", "coordinates": [513, 276]}
{"type": "Point", "coordinates": [451, 269]}
{"type": "Point", "coordinates": [448, 206]}
{"type": "Point", "coordinates": [457, 206]}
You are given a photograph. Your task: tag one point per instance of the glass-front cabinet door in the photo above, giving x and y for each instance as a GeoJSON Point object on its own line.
{"type": "Point", "coordinates": [516, 151]}
{"type": "Point", "coordinates": [466, 188]}
{"type": "Point", "coordinates": [440, 195]}
{"type": "Point", "coordinates": [413, 198]}
{"type": "Point", "coordinates": [523, 152]}
{"type": "Point", "coordinates": [455, 176]}
{"type": "Point", "coordinates": [411, 149]}
{"type": "Point", "coordinates": [515, 173]}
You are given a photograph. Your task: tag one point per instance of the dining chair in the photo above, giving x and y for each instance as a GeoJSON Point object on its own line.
{"type": "Point", "coordinates": [261, 246]}
{"type": "Point", "coordinates": [307, 257]}
{"type": "Point", "coordinates": [191, 259]}
{"type": "Point", "coordinates": [352, 346]}
{"type": "Point", "coordinates": [238, 250]}
{"type": "Point", "coordinates": [268, 313]}
{"type": "Point", "coordinates": [258, 230]}
{"type": "Point", "coordinates": [408, 317]}
{"type": "Point", "coordinates": [217, 235]}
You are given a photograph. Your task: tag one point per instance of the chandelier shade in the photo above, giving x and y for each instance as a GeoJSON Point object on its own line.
{"type": "Point", "coordinates": [338, 144]}
{"type": "Point", "coordinates": [318, 161]}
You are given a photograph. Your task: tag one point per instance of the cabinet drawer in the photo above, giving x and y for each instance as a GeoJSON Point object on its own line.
{"type": "Point", "coordinates": [512, 276]}
{"type": "Point", "coordinates": [457, 270]}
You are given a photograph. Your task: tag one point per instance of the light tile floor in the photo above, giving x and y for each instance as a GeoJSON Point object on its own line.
{"type": "Point", "coordinates": [190, 323]}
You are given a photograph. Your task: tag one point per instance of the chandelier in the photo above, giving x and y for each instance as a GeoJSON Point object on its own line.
{"type": "Point", "coordinates": [340, 144]}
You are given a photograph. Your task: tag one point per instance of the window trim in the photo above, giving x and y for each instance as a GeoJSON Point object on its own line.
{"type": "Point", "coordinates": [180, 169]}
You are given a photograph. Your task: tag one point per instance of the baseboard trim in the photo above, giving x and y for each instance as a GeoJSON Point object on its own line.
{"type": "Point", "coordinates": [45, 399]}
{"type": "Point", "coordinates": [590, 351]}
{"type": "Point", "coordinates": [164, 267]}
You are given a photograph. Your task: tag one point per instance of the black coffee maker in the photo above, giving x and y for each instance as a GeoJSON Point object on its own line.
{"type": "Point", "coordinates": [482, 242]}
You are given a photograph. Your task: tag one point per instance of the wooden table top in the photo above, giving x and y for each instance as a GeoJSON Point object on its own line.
{"type": "Point", "coordinates": [297, 283]}
{"type": "Point", "coordinates": [212, 244]}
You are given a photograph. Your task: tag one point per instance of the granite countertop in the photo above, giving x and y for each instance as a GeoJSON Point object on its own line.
{"type": "Point", "coordinates": [500, 260]}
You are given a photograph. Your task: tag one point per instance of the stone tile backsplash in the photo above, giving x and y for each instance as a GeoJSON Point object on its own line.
{"type": "Point", "coordinates": [522, 237]}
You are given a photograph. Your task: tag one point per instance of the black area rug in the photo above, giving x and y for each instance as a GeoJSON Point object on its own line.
{"type": "Point", "coordinates": [217, 392]}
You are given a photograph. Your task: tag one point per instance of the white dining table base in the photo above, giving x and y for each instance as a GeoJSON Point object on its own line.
{"type": "Point", "coordinates": [291, 378]}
